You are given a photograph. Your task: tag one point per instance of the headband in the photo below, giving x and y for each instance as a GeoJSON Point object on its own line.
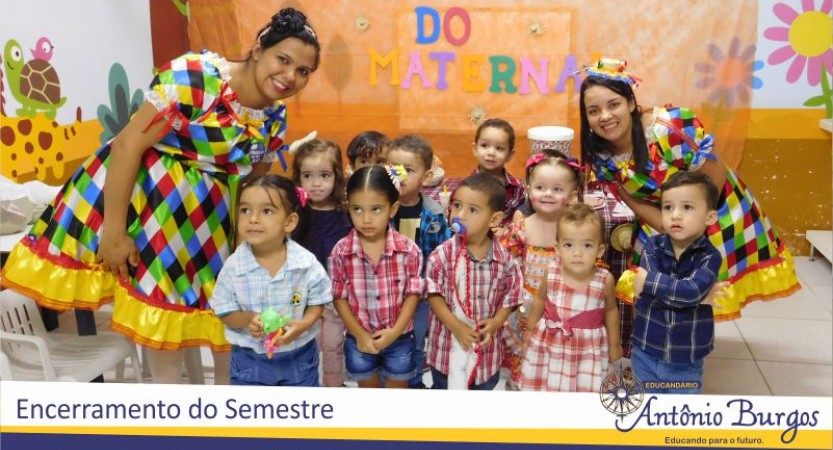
{"type": "Point", "coordinates": [611, 69]}
{"type": "Point", "coordinates": [536, 159]}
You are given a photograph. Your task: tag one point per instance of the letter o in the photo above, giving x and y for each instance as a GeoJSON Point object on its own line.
{"type": "Point", "coordinates": [452, 12]}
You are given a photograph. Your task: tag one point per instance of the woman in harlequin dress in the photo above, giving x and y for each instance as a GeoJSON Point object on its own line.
{"type": "Point", "coordinates": [147, 221]}
{"type": "Point", "coordinates": [634, 161]}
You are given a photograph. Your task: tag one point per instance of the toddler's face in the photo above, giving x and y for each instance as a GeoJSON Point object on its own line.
{"type": "Point", "coordinates": [414, 167]}
{"type": "Point", "coordinates": [551, 188]}
{"type": "Point", "coordinates": [579, 246]}
{"type": "Point", "coordinates": [492, 149]}
{"type": "Point", "coordinates": [472, 208]}
{"type": "Point", "coordinates": [685, 214]}
{"type": "Point", "coordinates": [318, 178]}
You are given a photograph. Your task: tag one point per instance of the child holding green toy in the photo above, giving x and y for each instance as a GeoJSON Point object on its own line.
{"type": "Point", "coordinates": [269, 274]}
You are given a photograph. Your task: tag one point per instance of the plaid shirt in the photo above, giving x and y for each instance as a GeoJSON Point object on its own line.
{"type": "Point", "coordinates": [671, 324]}
{"type": "Point", "coordinates": [515, 196]}
{"type": "Point", "coordinates": [495, 283]}
{"type": "Point", "coordinates": [375, 292]}
{"type": "Point", "coordinates": [244, 285]}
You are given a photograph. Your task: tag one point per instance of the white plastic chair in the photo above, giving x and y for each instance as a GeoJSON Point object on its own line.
{"type": "Point", "coordinates": [32, 354]}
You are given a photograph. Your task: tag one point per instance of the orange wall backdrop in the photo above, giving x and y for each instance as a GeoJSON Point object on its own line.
{"type": "Point", "coordinates": [376, 75]}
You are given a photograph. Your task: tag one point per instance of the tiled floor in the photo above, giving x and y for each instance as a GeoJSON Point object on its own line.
{"type": "Point", "coordinates": [784, 347]}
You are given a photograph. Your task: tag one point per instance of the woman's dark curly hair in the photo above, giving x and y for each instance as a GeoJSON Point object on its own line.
{"type": "Point", "coordinates": [290, 22]}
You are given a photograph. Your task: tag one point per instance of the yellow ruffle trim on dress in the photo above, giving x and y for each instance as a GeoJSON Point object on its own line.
{"type": "Point", "coordinates": [766, 282]}
{"type": "Point", "coordinates": [54, 285]}
{"type": "Point", "coordinates": [166, 327]}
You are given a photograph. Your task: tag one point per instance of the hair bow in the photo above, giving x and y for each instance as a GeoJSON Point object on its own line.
{"type": "Point", "coordinates": [612, 69]}
{"type": "Point", "coordinates": [572, 162]}
{"type": "Point", "coordinates": [533, 160]}
{"type": "Point", "coordinates": [303, 197]}
{"type": "Point", "coordinates": [397, 175]}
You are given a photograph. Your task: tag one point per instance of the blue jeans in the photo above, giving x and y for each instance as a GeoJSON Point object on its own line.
{"type": "Point", "coordinates": [420, 330]}
{"type": "Point", "coordinates": [439, 380]}
{"type": "Point", "coordinates": [654, 374]}
{"type": "Point", "coordinates": [395, 362]}
{"type": "Point", "coordinates": [297, 367]}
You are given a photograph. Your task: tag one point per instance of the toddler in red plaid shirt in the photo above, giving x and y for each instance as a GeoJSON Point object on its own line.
{"type": "Point", "coordinates": [376, 283]}
{"type": "Point", "coordinates": [472, 285]}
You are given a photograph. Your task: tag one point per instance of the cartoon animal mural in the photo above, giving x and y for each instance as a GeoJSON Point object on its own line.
{"type": "Point", "coordinates": [34, 83]}
{"type": "Point", "coordinates": [43, 49]}
{"type": "Point", "coordinates": [35, 145]}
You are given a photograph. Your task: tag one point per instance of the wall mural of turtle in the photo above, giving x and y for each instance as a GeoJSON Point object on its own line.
{"type": "Point", "coordinates": [33, 83]}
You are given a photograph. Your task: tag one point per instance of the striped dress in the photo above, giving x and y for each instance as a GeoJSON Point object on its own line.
{"type": "Point", "coordinates": [756, 262]}
{"type": "Point", "coordinates": [568, 347]}
{"type": "Point", "coordinates": [533, 260]}
{"type": "Point", "coordinates": [180, 214]}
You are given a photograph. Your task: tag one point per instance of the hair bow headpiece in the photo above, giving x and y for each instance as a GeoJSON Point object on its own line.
{"type": "Point", "coordinates": [612, 69]}
{"type": "Point", "coordinates": [303, 197]}
{"type": "Point", "coordinates": [397, 175]}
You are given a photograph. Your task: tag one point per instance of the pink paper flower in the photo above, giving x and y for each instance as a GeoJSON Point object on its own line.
{"type": "Point", "coordinates": [809, 36]}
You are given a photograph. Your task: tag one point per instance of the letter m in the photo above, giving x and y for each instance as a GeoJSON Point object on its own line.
{"type": "Point", "coordinates": [391, 59]}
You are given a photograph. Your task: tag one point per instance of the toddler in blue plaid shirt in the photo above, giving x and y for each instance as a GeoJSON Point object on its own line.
{"type": "Point", "coordinates": [268, 270]}
{"type": "Point", "coordinates": [673, 330]}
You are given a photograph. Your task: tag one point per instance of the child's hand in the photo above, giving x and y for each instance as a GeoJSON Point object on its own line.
{"type": "Point", "coordinates": [384, 338]}
{"type": "Point", "coordinates": [465, 335]}
{"type": "Point", "coordinates": [639, 282]}
{"type": "Point", "coordinates": [717, 291]}
{"type": "Point", "coordinates": [256, 327]}
{"type": "Point", "coordinates": [291, 331]}
{"type": "Point", "coordinates": [614, 353]}
{"type": "Point", "coordinates": [488, 328]}
{"type": "Point", "coordinates": [367, 344]}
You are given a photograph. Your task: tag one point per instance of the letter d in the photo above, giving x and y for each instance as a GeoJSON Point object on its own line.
{"type": "Point", "coordinates": [195, 410]}
{"type": "Point", "coordinates": [421, 12]}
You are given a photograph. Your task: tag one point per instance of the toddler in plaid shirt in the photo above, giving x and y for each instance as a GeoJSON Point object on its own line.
{"type": "Point", "coordinates": [673, 330]}
{"type": "Point", "coordinates": [472, 283]}
{"type": "Point", "coordinates": [494, 146]}
{"type": "Point", "coordinates": [376, 283]}
{"type": "Point", "coordinates": [270, 271]}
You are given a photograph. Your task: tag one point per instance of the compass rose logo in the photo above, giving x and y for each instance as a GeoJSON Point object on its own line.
{"type": "Point", "coordinates": [621, 392]}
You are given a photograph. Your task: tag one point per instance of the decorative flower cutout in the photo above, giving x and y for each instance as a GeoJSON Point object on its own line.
{"type": "Point", "coordinates": [536, 28]}
{"type": "Point", "coordinates": [730, 76]}
{"type": "Point", "coordinates": [477, 115]}
{"type": "Point", "coordinates": [810, 37]}
{"type": "Point", "coordinates": [361, 22]}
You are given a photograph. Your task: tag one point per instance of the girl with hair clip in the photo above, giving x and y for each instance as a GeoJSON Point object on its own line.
{"type": "Point", "coordinates": [376, 282]}
{"type": "Point", "coordinates": [270, 271]}
{"type": "Point", "coordinates": [756, 263]}
{"type": "Point", "coordinates": [553, 182]}
{"type": "Point", "coordinates": [146, 222]}
{"type": "Point", "coordinates": [317, 169]}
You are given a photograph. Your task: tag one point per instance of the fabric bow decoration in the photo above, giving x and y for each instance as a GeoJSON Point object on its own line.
{"type": "Point", "coordinates": [303, 197]}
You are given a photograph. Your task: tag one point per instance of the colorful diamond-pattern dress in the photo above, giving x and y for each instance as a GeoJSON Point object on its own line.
{"type": "Point", "coordinates": [756, 262]}
{"type": "Point", "coordinates": [180, 214]}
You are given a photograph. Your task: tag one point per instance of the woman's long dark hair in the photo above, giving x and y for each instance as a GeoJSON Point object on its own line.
{"type": "Point", "coordinates": [592, 145]}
